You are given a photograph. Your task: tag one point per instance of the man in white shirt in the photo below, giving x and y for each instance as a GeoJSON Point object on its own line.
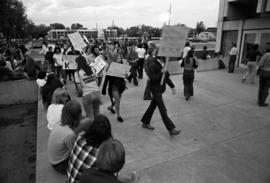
{"type": "Point", "coordinates": [141, 54]}
{"type": "Point", "coordinates": [233, 55]}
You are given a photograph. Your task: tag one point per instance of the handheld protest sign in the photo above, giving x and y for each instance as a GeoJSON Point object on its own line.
{"type": "Point", "coordinates": [118, 70]}
{"type": "Point", "coordinates": [69, 62]}
{"type": "Point", "coordinates": [172, 42]}
{"type": "Point", "coordinates": [77, 41]}
{"type": "Point", "coordinates": [99, 64]}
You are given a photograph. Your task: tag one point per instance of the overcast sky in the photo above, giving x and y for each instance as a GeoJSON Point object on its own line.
{"type": "Point", "coordinates": [125, 13]}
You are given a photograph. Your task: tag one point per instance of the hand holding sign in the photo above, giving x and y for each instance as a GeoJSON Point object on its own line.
{"type": "Point", "coordinates": [99, 64]}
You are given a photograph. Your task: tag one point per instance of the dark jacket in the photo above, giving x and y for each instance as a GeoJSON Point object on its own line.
{"type": "Point", "coordinates": [154, 73]}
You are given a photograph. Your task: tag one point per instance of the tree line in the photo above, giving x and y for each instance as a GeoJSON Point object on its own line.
{"type": "Point", "coordinates": [14, 23]}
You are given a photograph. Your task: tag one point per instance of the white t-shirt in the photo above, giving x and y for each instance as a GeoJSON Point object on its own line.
{"type": "Point", "coordinates": [60, 144]}
{"type": "Point", "coordinates": [234, 51]}
{"type": "Point", "coordinates": [58, 59]}
{"type": "Point", "coordinates": [89, 83]}
{"type": "Point", "coordinates": [185, 51]}
{"type": "Point", "coordinates": [41, 82]}
{"type": "Point", "coordinates": [54, 113]}
{"type": "Point", "coordinates": [141, 52]}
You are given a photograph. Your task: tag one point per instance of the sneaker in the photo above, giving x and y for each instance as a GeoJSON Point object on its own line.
{"type": "Point", "coordinates": [174, 132]}
{"type": "Point", "coordinates": [149, 127]}
{"type": "Point", "coordinates": [111, 109]}
{"type": "Point", "coordinates": [120, 119]}
{"type": "Point", "coordinates": [264, 104]}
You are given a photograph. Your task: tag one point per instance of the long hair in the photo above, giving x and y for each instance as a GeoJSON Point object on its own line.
{"type": "Point", "coordinates": [60, 96]}
{"type": "Point", "coordinates": [82, 64]}
{"type": "Point", "coordinates": [71, 114]}
{"type": "Point", "coordinates": [99, 131]}
{"type": "Point", "coordinates": [189, 56]}
{"type": "Point", "coordinates": [111, 156]}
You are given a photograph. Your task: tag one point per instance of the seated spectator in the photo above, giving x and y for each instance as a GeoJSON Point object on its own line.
{"type": "Point", "coordinates": [86, 147]}
{"type": "Point", "coordinates": [5, 73]}
{"type": "Point", "coordinates": [51, 85]}
{"type": "Point", "coordinates": [30, 68]}
{"type": "Point", "coordinates": [204, 54]}
{"type": "Point", "coordinates": [59, 99]}
{"type": "Point", "coordinates": [110, 160]}
{"type": "Point", "coordinates": [41, 79]}
{"type": "Point", "coordinates": [62, 137]}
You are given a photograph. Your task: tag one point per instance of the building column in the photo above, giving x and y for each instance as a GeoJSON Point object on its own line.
{"type": "Point", "coordinates": [239, 41]}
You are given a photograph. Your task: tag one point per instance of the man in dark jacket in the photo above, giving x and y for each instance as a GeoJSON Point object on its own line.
{"type": "Point", "coordinates": [155, 72]}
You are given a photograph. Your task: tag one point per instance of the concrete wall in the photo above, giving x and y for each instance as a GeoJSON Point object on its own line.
{"type": "Point", "coordinates": [204, 65]}
{"type": "Point", "coordinates": [18, 92]}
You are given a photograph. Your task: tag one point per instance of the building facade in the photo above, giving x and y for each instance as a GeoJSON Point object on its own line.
{"type": "Point", "coordinates": [244, 22]}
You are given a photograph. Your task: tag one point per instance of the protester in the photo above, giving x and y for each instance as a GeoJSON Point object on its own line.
{"type": "Point", "coordinates": [117, 85]}
{"type": "Point", "coordinates": [132, 58]}
{"type": "Point", "coordinates": [233, 54]}
{"type": "Point", "coordinates": [110, 160]}
{"type": "Point", "coordinates": [155, 72]}
{"type": "Point", "coordinates": [62, 137]}
{"type": "Point", "coordinates": [189, 64]}
{"type": "Point", "coordinates": [86, 147]}
{"type": "Point", "coordinates": [51, 85]}
{"type": "Point", "coordinates": [253, 57]}
{"type": "Point", "coordinates": [141, 54]}
{"type": "Point", "coordinates": [58, 61]}
{"type": "Point", "coordinates": [49, 61]}
{"type": "Point", "coordinates": [90, 90]}
{"type": "Point", "coordinates": [185, 51]}
{"type": "Point", "coordinates": [59, 99]}
{"type": "Point", "coordinates": [264, 73]}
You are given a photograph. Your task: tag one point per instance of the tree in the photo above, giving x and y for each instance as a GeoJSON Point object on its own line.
{"type": "Point", "coordinates": [57, 26]}
{"type": "Point", "coordinates": [133, 31]}
{"type": "Point", "coordinates": [200, 27]}
{"type": "Point", "coordinates": [76, 26]}
{"type": "Point", "coordinates": [12, 18]}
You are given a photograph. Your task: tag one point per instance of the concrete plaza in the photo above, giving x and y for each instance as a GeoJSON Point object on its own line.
{"type": "Point", "coordinates": [224, 139]}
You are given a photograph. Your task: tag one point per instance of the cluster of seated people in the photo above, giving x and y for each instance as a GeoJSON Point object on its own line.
{"type": "Point", "coordinates": [82, 149]}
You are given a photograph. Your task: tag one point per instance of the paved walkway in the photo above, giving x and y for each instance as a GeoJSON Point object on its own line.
{"type": "Point", "coordinates": [225, 135]}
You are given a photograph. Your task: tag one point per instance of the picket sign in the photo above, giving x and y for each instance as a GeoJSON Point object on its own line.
{"type": "Point", "coordinates": [172, 43]}
{"type": "Point", "coordinates": [77, 41]}
{"type": "Point", "coordinates": [99, 64]}
{"type": "Point", "coordinates": [118, 70]}
{"type": "Point", "coordinates": [69, 62]}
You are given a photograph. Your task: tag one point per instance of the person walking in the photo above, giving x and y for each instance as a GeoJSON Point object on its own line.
{"type": "Point", "coordinates": [141, 54]}
{"type": "Point", "coordinates": [189, 64]}
{"type": "Point", "coordinates": [264, 73]}
{"type": "Point", "coordinates": [252, 58]}
{"type": "Point", "coordinates": [233, 54]}
{"type": "Point", "coordinates": [155, 72]}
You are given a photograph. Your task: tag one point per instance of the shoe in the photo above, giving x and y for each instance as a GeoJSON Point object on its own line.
{"type": "Point", "coordinates": [120, 119]}
{"type": "Point", "coordinates": [243, 80]}
{"type": "Point", "coordinates": [111, 109]}
{"type": "Point", "coordinates": [187, 98]}
{"type": "Point", "coordinates": [174, 132]}
{"type": "Point", "coordinates": [264, 104]}
{"type": "Point", "coordinates": [149, 127]}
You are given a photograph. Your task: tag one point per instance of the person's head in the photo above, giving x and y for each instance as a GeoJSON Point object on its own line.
{"type": "Point", "coordinates": [50, 48]}
{"type": "Point", "coordinates": [82, 64]}
{"type": "Point", "coordinates": [71, 114]}
{"type": "Point", "coordinates": [205, 47]}
{"type": "Point", "coordinates": [255, 47]}
{"type": "Point", "coordinates": [41, 75]}
{"type": "Point", "coordinates": [95, 50]}
{"type": "Point", "coordinates": [140, 45]}
{"type": "Point", "coordinates": [190, 53]}
{"type": "Point", "coordinates": [233, 44]}
{"type": "Point", "coordinates": [99, 131]}
{"type": "Point", "coordinates": [60, 96]}
{"type": "Point", "coordinates": [57, 50]}
{"type": "Point", "coordinates": [187, 44]}
{"type": "Point", "coordinates": [111, 156]}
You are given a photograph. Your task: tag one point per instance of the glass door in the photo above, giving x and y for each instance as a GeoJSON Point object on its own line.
{"type": "Point", "coordinates": [249, 38]}
{"type": "Point", "coordinates": [264, 39]}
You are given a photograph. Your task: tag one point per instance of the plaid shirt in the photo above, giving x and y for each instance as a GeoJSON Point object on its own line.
{"type": "Point", "coordinates": [82, 157]}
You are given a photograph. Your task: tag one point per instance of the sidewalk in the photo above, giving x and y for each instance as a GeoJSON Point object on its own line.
{"type": "Point", "coordinates": [225, 135]}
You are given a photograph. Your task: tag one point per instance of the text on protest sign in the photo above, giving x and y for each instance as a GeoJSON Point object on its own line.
{"type": "Point", "coordinates": [118, 70]}
{"type": "Point", "coordinates": [69, 62]}
{"type": "Point", "coordinates": [99, 64]}
{"type": "Point", "coordinates": [173, 41]}
{"type": "Point", "coordinates": [77, 41]}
